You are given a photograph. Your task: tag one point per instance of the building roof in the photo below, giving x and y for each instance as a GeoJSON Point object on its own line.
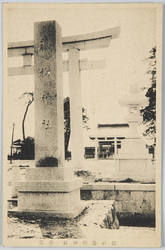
{"type": "Point", "coordinates": [116, 125]}
{"type": "Point", "coordinates": [109, 130]}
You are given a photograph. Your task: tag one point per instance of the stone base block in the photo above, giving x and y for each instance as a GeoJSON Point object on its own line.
{"type": "Point", "coordinates": [49, 186]}
{"type": "Point", "coordinates": [141, 169]}
{"type": "Point", "coordinates": [49, 190]}
{"type": "Point", "coordinates": [47, 214]}
{"type": "Point", "coordinates": [49, 174]}
{"type": "Point", "coordinates": [133, 165]}
{"type": "Point", "coordinates": [59, 198]}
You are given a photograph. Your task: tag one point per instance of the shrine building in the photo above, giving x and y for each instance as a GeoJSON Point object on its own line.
{"type": "Point", "coordinates": [104, 142]}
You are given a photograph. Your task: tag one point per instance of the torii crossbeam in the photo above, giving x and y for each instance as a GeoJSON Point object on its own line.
{"type": "Point", "coordinates": [88, 41]}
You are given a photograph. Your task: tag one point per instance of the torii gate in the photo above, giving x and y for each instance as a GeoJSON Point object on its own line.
{"type": "Point", "coordinates": [73, 45]}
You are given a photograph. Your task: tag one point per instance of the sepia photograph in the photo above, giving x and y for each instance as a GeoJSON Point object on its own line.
{"type": "Point", "coordinates": [82, 125]}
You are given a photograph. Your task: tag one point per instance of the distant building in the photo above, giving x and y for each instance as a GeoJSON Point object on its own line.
{"type": "Point", "coordinates": [23, 150]}
{"type": "Point", "coordinates": [105, 140]}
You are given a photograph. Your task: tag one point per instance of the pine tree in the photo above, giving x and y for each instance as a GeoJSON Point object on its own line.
{"type": "Point", "coordinates": [67, 129]}
{"type": "Point", "coordinates": [149, 112]}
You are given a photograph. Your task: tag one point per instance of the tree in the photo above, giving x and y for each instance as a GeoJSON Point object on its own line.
{"type": "Point", "coordinates": [67, 129]}
{"type": "Point", "coordinates": [30, 99]}
{"type": "Point", "coordinates": [149, 112]}
{"type": "Point", "coordinates": [66, 123]}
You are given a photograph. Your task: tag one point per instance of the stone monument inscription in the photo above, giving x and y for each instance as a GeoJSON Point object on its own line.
{"type": "Point", "coordinates": [49, 135]}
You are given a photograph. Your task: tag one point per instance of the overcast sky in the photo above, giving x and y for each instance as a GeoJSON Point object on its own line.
{"type": "Point", "coordinates": [101, 89]}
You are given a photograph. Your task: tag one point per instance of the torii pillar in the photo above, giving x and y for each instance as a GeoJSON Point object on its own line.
{"type": "Point", "coordinates": [77, 147]}
{"type": "Point", "coordinates": [82, 42]}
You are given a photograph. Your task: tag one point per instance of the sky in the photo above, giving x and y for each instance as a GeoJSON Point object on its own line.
{"type": "Point", "coordinates": [101, 88]}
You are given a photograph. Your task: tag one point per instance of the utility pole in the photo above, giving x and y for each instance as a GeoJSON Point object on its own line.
{"type": "Point", "coordinates": [11, 152]}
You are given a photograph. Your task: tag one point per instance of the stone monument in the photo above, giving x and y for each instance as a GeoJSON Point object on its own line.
{"type": "Point", "coordinates": [50, 188]}
{"type": "Point", "coordinates": [133, 160]}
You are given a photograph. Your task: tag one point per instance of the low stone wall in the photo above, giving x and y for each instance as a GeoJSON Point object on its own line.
{"type": "Point", "coordinates": [134, 202]}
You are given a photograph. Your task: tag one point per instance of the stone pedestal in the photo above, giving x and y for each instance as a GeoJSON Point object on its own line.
{"type": "Point", "coordinates": [134, 162]}
{"type": "Point", "coordinates": [51, 191]}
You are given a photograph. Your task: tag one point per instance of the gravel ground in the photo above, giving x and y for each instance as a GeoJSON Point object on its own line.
{"type": "Point", "coordinates": [85, 226]}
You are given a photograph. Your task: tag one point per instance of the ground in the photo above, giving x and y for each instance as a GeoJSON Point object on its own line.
{"type": "Point", "coordinates": [88, 224]}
